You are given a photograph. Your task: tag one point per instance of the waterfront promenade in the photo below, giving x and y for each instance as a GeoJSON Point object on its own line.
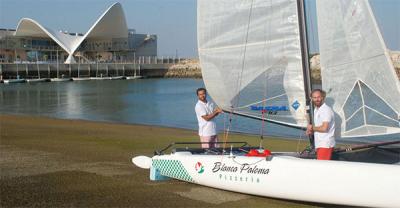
{"type": "Point", "coordinates": [182, 68]}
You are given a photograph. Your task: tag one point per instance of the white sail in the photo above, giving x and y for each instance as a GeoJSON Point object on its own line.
{"type": "Point", "coordinates": [356, 71]}
{"type": "Point", "coordinates": [250, 57]}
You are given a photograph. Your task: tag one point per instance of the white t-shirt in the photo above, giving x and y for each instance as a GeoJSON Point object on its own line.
{"type": "Point", "coordinates": [324, 114]}
{"type": "Point", "coordinates": [206, 128]}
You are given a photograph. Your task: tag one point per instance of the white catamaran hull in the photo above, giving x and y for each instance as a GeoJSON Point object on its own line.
{"type": "Point", "coordinates": [134, 77]}
{"type": "Point", "coordinates": [9, 81]}
{"type": "Point", "coordinates": [37, 80]}
{"type": "Point", "coordinates": [117, 77]}
{"type": "Point", "coordinates": [100, 78]}
{"type": "Point", "coordinates": [60, 79]}
{"type": "Point", "coordinates": [81, 78]}
{"type": "Point", "coordinates": [333, 182]}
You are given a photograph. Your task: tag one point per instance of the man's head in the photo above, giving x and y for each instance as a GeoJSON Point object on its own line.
{"type": "Point", "coordinates": [318, 97]}
{"type": "Point", "coordinates": [202, 94]}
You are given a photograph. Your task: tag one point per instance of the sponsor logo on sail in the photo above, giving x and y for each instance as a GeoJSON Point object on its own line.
{"type": "Point", "coordinates": [296, 105]}
{"type": "Point", "coordinates": [271, 109]}
{"type": "Point", "coordinates": [199, 167]}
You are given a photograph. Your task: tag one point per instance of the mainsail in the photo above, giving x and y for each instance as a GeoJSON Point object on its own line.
{"type": "Point", "coordinates": [356, 72]}
{"type": "Point", "coordinates": [250, 56]}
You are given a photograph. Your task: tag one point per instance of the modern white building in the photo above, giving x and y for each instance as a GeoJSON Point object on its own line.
{"type": "Point", "coordinates": [107, 40]}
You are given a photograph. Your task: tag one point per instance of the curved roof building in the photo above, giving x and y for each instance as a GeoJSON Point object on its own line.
{"type": "Point", "coordinates": [111, 24]}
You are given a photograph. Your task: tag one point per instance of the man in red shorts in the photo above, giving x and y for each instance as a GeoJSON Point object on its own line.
{"type": "Point", "coordinates": [324, 126]}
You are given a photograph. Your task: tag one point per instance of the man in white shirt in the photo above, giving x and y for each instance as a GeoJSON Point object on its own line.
{"type": "Point", "coordinates": [206, 113]}
{"type": "Point", "coordinates": [324, 126]}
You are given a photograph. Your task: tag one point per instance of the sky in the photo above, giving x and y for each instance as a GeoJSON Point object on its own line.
{"type": "Point", "coordinates": [173, 21]}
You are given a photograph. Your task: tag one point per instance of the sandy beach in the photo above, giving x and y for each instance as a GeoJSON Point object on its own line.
{"type": "Point", "coordinates": [48, 162]}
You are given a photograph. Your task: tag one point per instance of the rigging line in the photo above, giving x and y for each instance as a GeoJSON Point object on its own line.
{"type": "Point", "coordinates": [226, 132]}
{"type": "Point", "coordinates": [296, 126]}
{"type": "Point", "coordinates": [262, 129]}
{"type": "Point", "coordinates": [301, 134]}
{"type": "Point", "coordinates": [223, 145]}
{"type": "Point", "coordinates": [264, 100]}
{"type": "Point", "coordinates": [267, 38]}
{"type": "Point", "coordinates": [239, 81]}
{"type": "Point", "coordinates": [298, 142]}
{"type": "Point", "coordinates": [244, 54]}
{"type": "Point", "coordinates": [220, 63]}
{"type": "Point", "coordinates": [227, 127]}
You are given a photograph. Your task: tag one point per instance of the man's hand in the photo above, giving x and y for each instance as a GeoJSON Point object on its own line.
{"type": "Point", "coordinates": [211, 116]}
{"type": "Point", "coordinates": [218, 110]}
{"type": "Point", "coordinates": [309, 130]}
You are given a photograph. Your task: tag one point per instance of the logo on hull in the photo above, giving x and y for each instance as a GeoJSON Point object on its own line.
{"type": "Point", "coordinates": [199, 167]}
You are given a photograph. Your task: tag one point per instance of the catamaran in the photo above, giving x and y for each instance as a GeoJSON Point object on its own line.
{"type": "Point", "coordinates": [58, 78]}
{"type": "Point", "coordinates": [80, 78]}
{"type": "Point", "coordinates": [38, 79]}
{"type": "Point", "coordinates": [117, 76]}
{"type": "Point", "coordinates": [135, 76]}
{"type": "Point", "coordinates": [254, 60]}
{"type": "Point", "coordinates": [17, 80]}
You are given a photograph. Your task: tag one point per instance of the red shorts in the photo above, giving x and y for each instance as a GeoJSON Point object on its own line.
{"type": "Point", "coordinates": [324, 153]}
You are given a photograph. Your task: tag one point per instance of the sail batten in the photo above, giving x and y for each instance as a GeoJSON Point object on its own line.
{"type": "Point", "coordinates": [360, 60]}
{"type": "Point", "coordinates": [258, 102]}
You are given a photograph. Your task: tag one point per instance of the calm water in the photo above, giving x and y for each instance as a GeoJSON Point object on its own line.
{"type": "Point", "coordinates": [162, 102]}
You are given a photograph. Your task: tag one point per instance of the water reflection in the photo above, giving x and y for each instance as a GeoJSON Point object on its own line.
{"type": "Point", "coordinates": [165, 102]}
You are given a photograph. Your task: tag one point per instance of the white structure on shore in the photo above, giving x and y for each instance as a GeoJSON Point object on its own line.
{"type": "Point", "coordinates": [107, 40]}
{"type": "Point", "coordinates": [111, 24]}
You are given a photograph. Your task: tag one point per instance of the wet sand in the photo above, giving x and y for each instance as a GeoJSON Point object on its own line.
{"type": "Point", "coordinates": [47, 162]}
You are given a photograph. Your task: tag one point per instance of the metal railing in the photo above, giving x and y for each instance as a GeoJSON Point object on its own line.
{"type": "Point", "coordinates": [89, 60]}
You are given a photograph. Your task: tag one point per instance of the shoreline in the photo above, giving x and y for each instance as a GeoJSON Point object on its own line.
{"type": "Point", "coordinates": [50, 162]}
{"type": "Point", "coordinates": [150, 125]}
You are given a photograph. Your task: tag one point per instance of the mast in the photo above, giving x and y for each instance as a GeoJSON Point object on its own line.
{"type": "Point", "coordinates": [305, 63]}
{"type": "Point", "coordinates": [58, 65]}
{"type": "Point", "coordinates": [37, 64]}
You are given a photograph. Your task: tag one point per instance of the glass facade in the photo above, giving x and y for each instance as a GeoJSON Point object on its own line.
{"type": "Point", "coordinates": [32, 49]}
